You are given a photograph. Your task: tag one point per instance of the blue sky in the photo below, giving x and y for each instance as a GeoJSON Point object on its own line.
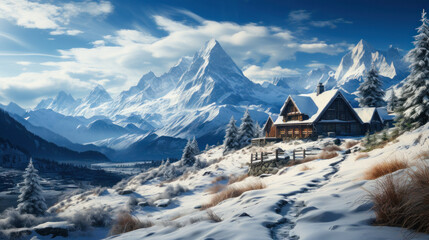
{"type": "Point", "coordinates": [47, 46]}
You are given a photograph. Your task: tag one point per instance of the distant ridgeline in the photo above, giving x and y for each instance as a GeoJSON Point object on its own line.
{"type": "Point", "coordinates": [14, 157]}
{"type": "Point", "coordinates": [17, 135]}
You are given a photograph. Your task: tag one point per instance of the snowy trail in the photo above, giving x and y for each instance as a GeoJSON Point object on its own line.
{"type": "Point", "coordinates": [290, 207]}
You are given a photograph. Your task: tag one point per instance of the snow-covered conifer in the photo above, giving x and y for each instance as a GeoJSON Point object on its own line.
{"type": "Point", "coordinates": [195, 147]}
{"type": "Point", "coordinates": [370, 91]}
{"type": "Point", "coordinates": [231, 136]}
{"type": "Point", "coordinates": [368, 139]}
{"type": "Point", "coordinates": [414, 100]}
{"type": "Point", "coordinates": [258, 130]}
{"type": "Point", "coordinates": [246, 131]}
{"type": "Point", "coordinates": [188, 156]}
{"type": "Point", "coordinates": [207, 147]}
{"type": "Point", "coordinates": [393, 102]}
{"type": "Point", "coordinates": [31, 199]}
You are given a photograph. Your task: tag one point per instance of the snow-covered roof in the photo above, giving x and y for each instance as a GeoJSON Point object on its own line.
{"type": "Point", "coordinates": [269, 121]}
{"type": "Point", "coordinates": [384, 115]}
{"type": "Point", "coordinates": [304, 104]}
{"type": "Point", "coordinates": [311, 104]}
{"type": "Point", "coordinates": [365, 113]}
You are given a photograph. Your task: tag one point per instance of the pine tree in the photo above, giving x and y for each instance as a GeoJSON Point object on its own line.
{"type": "Point", "coordinates": [368, 139]}
{"type": "Point", "coordinates": [246, 131]}
{"type": "Point", "coordinates": [370, 91]}
{"type": "Point", "coordinates": [231, 137]}
{"type": "Point", "coordinates": [393, 102]}
{"type": "Point", "coordinates": [195, 147]}
{"type": "Point", "coordinates": [384, 136]}
{"type": "Point", "coordinates": [258, 130]}
{"type": "Point", "coordinates": [188, 156]}
{"type": "Point", "coordinates": [31, 199]}
{"type": "Point", "coordinates": [207, 147]}
{"type": "Point", "coordinates": [414, 101]}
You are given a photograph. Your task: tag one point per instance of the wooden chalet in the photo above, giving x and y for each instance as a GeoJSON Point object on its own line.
{"type": "Point", "coordinates": [310, 115]}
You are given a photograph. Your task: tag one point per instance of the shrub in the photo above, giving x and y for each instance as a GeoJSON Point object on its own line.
{"type": "Point", "coordinates": [322, 155]}
{"type": "Point", "coordinates": [351, 143]}
{"type": "Point", "coordinates": [173, 191]}
{"type": "Point", "coordinates": [332, 148]}
{"type": "Point", "coordinates": [304, 167]}
{"type": "Point", "coordinates": [239, 178]}
{"type": "Point", "coordinates": [327, 155]}
{"type": "Point", "coordinates": [385, 167]}
{"type": "Point", "coordinates": [423, 155]}
{"type": "Point", "coordinates": [11, 218]}
{"type": "Point", "coordinates": [402, 203]}
{"type": "Point", "coordinates": [215, 188]}
{"type": "Point", "coordinates": [361, 155]}
{"type": "Point", "coordinates": [233, 192]}
{"type": "Point", "coordinates": [93, 217]}
{"type": "Point", "coordinates": [125, 222]}
{"type": "Point", "coordinates": [219, 178]}
{"type": "Point", "coordinates": [213, 216]}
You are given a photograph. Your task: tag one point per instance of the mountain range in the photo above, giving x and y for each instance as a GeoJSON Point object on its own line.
{"type": "Point", "coordinates": [196, 97]}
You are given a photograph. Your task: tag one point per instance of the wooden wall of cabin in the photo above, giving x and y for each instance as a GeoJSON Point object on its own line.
{"type": "Point", "coordinates": [340, 129]}
{"type": "Point", "coordinates": [294, 131]}
{"type": "Point", "coordinates": [272, 132]}
{"type": "Point", "coordinates": [339, 110]}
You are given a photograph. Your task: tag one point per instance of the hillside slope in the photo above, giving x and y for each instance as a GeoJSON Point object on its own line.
{"type": "Point", "coordinates": [326, 199]}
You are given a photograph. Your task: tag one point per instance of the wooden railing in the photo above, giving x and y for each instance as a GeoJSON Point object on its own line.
{"type": "Point", "coordinates": [297, 154]}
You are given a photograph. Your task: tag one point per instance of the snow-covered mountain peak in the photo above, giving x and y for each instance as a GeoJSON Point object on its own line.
{"type": "Point", "coordinates": [359, 60]}
{"type": "Point", "coordinates": [64, 97]}
{"type": "Point", "coordinates": [97, 96]}
{"type": "Point", "coordinates": [210, 47]}
{"type": "Point", "coordinates": [183, 62]}
{"type": "Point", "coordinates": [362, 46]}
{"type": "Point", "coordinates": [145, 79]}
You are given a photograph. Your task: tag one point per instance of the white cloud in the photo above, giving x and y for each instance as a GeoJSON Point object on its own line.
{"type": "Point", "coordinates": [24, 63]}
{"type": "Point", "coordinates": [125, 55]}
{"type": "Point", "coordinates": [259, 74]}
{"type": "Point", "coordinates": [39, 15]}
{"type": "Point", "coordinates": [329, 23]}
{"type": "Point", "coordinates": [299, 15]}
{"type": "Point", "coordinates": [67, 32]}
{"type": "Point", "coordinates": [303, 17]}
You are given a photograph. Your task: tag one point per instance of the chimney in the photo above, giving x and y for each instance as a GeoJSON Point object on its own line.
{"type": "Point", "coordinates": [320, 88]}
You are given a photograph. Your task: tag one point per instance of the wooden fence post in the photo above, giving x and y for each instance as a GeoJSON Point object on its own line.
{"type": "Point", "coordinates": [277, 154]}
{"type": "Point", "coordinates": [262, 156]}
{"type": "Point", "coordinates": [303, 156]}
{"type": "Point", "coordinates": [251, 158]}
{"type": "Point", "coordinates": [294, 155]}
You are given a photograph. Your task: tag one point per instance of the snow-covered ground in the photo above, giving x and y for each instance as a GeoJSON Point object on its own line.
{"type": "Point", "coordinates": [327, 200]}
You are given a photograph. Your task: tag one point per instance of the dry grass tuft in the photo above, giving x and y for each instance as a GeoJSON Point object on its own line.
{"type": "Point", "coordinates": [219, 178]}
{"type": "Point", "coordinates": [384, 168]}
{"type": "Point", "coordinates": [215, 188]}
{"type": "Point", "coordinates": [402, 203]}
{"type": "Point", "coordinates": [213, 216]}
{"type": "Point", "coordinates": [125, 222]}
{"type": "Point", "coordinates": [351, 143]}
{"type": "Point", "coordinates": [239, 178]}
{"type": "Point", "coordinates": [304, 167]}
{"type": "Point", "coordinates": [332, 148]}
{"type": "Point", "coordinates": [322, 155]}
{"type": "Point", "coordinates": [233, 192]}
{"type": "Point", "coordinates": [327, 155]}
{"type": "Point", "coordinates": [423, 155]}
{"type": "Point", "coordinates": [361, 155]}
{"type": "Point", "coordinates": [310, 158]}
